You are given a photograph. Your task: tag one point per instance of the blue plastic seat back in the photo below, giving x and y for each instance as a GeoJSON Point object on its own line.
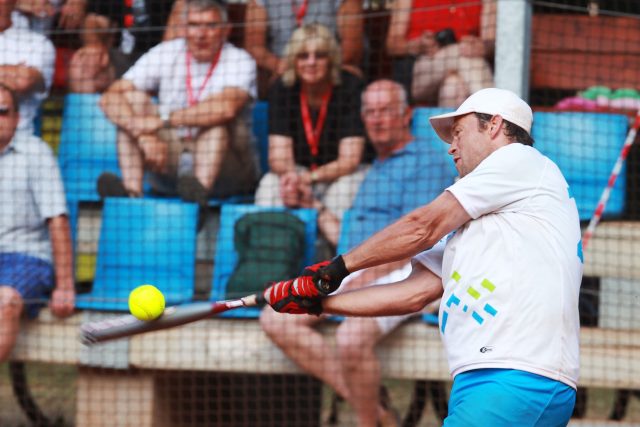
{"type": "Point", "coordinates": [226, 257]}
{"type": "Point", "coordinates": [421, 129]}
{"type": "Point", "coordinates": [260, 128]}
{"type": "Point", "coordinates": [87, 146]}
{"type": "Point", "coordinates": [585, 147]}
{"type": "Point", "coordinates": [143, 241]}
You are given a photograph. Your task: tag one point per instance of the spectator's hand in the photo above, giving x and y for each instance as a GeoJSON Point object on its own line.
{"type": "Point", "coordinates": [144, 125]}
{"type": "Point", "coordinates": [62, 301]}
{"type": "Point", "coordinates": [72, 14]}
{"type": "Point", "coordinates": [296, 296]}
{"type": "Point", "coordinates": [305, 190]}
{"type": "Point", "coordinates": [156, 153]}
{"type": "Point", "coordinates": [472, 47]}
{"type": "Point", "coordinates": [289, 183]}
{"type": "Point", "coordinates": [427, 44]}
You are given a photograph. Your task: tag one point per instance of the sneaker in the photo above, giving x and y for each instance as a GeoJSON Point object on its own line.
{"type": "Point", "coordinates": [390, 416]}
{"type": "Point", "coordinates": [192, 191]}
{"type": "Point", "coordinates": [110, 185]}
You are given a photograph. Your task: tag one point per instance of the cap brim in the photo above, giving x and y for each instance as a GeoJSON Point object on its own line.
{"type": "Point", "coordinates": [443, 123]}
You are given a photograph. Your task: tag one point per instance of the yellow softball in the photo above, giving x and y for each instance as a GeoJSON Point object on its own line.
{"type": "Point", "coordinates": [146, 302]}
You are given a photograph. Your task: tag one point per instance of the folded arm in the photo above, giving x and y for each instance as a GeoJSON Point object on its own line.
{"type": "Point", "coordinates": [217, 109]}
{"type": "Point", "coordinates": [23, 79]}
{"type": "Point", "coordinates": [117, 107]}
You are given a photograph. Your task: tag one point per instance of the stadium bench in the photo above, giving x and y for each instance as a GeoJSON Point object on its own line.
{"type": "Point", "coordinates": [239, 345]}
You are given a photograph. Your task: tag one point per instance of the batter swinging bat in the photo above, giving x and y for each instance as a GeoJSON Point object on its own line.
{"type": "Point", "coordinates": [127, 325]}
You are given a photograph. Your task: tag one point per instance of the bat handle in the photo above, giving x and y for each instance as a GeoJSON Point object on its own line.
{"type": "Point", "coordinates": [255, 300]}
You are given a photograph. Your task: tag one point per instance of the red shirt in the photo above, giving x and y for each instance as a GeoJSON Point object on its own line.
{"type": "Point", "coordinates": [436, 15]}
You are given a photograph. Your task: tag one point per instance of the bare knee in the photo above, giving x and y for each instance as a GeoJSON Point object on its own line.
{"type": "Point", "coordinates": [453, 91]}
{"type": "Point", "coordinates": [11, 303]}
{"type": "Point", "coordinates": [285, 329]}
{"type": "Point", "coordinates": [356, 339]}
{"type": "Point", "coordinates": [213, 141]}
{"type": "Point", "coordinates": [269, 321]}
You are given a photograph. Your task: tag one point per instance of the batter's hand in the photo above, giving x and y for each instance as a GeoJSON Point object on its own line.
{"type": "Point", "coordinates": [295, 296]}
{"type": "Point", "coordinates": [327, 275]}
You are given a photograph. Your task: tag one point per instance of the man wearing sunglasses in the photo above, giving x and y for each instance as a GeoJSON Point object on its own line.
{"type": "Point", "coordinates": [26, 65]}
{"type": "Point", "coordinates": [35, 239]}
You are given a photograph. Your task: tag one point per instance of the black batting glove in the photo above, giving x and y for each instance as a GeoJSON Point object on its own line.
{"type": "Point", "coordinates": [327, 275]}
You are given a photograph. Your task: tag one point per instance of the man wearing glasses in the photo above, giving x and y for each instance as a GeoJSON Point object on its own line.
{"type": "Point", "coordinates": [35, 239]}
{"type": "Point", "coordinates": [26, 65]}
{"type": "Point", "coordinates": [195, 141]}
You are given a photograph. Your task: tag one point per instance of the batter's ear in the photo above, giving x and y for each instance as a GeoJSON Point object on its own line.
{"type": "Point", "coordinates": [495, 125]}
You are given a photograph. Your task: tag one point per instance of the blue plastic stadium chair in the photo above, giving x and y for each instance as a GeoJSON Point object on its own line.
{"type": "Point", "coordinates": [585, 147]}
{"type": "Point", "coordinates": [87, 146]}
{"type": "Point", "coordinates": [260, 128]}
{"type": "Point", "coordinates": [421, 129]}
{"type": "Point", "coordinates": [226, 256]}
{"type": "Point", "coordinates": [143, 241]}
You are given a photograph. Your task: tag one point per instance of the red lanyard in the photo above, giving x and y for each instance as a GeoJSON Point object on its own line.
{"type": "Point", "coordinates": [299, 12]}
{"type": "Point", "coordinates": [313, 132]}
{"type": "Point", "coordinates": [193, 100]}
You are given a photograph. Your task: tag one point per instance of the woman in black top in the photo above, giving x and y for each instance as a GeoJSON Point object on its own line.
{"type": "Point", "coordinates": [316, 136]}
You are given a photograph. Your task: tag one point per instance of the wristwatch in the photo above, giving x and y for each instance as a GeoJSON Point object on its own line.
{"type": "Point", "coordinates": [166, 120]}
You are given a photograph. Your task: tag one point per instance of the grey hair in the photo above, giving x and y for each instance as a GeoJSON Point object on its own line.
{"type": "Point", "coordinates": [202, 5]}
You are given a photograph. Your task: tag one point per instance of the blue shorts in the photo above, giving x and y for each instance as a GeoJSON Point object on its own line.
{"type": "Point", "coordinates": [508, 397]}
{"type": "Point", "coordinates": [31, 277]}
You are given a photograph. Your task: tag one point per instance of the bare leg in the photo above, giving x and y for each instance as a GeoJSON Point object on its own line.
{"type": "Point", "coordinates": [295, 335]}
{"type": "Point", "coordinates": [356, 339]}
{"type": "Point", "coordinates": [130, 156]}
{"type": "Point", "coordinates": [11, 305]}
{"type": "Point", "coordinates": [210, 150]}
{"type": "Point", "coordinates": [475, 72]}
{"type": "Point", "coordinates": [268, 192]}
{"type": "Point", "coordinates": [453, 91]}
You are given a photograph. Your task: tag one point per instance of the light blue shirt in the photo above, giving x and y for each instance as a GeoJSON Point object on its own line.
{"type": "Point", "coordinates": [411, 177]}
{"type": "Point", "coordinates": [31, 191]}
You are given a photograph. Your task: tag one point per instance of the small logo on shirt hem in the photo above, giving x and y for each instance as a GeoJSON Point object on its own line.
{"type": "Point", "coordinates": [486, 349]}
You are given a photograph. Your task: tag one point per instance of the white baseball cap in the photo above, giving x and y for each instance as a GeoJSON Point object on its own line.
{"type": "Point", "coordinates": [494, 101]}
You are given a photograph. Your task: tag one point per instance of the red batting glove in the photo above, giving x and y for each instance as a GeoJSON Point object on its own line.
{"type": "Point", "coordinates": [296, 296]}
{"type": "Point", "coordinates": [327, 275]}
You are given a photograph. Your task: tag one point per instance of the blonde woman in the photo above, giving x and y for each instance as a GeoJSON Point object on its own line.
{"type": "Point", "coordinates": [316, 136]}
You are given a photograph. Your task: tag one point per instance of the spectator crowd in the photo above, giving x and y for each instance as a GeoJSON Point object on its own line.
{"type": "Point", "coordinates": [180, 94]}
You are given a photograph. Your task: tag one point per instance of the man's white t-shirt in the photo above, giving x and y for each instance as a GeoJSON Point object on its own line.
{"type": "Point", "coordinates": [164, 70]}
{"type": "Point", "coordinates": [19, 46]}
{"type": "Point", "coordinates": [512, 274]}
